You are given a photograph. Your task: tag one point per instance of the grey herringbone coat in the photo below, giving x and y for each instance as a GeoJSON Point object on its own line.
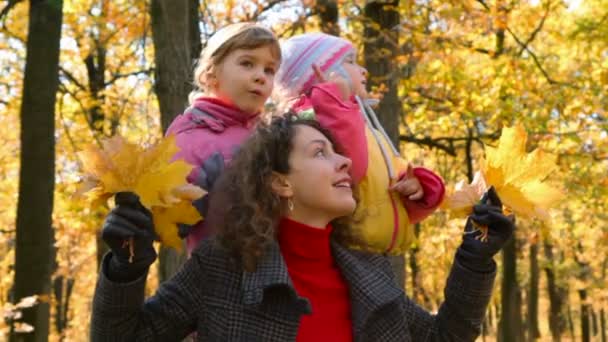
{"type": "Point", "coordinates": [221, 303]}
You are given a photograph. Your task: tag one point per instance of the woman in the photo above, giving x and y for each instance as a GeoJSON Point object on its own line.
{"type": "Point", "coordinates": [278, 267]}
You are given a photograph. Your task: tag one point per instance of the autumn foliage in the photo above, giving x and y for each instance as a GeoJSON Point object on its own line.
{"type": "Point", "coordinates": [512, 94]}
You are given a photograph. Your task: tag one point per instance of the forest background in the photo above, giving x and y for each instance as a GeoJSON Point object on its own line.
{"type": "Point", "coordinates": [451, 74]}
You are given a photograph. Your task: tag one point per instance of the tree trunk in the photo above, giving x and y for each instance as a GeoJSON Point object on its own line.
{"type": "Point", "coordinates": [533, 330]}
{"type": "Point", "coordinates": [380, 49]}
{"type": "Point", "coordinates": [177, 45]}
{"type": "Point", "coordinates": [418, 292]}
{"type": "Point", "coordinates": [603, 325]}
{"type": "Point", "coordinates": [557, 294]}
{"type": "Point", "coordinates": [34, 253]}
{"type": "Point", "coordinates": [329, 15]}
{"type": "Point", "coordinates": [570, 323]}
{"type": "Point", "coordinates": [510, 318]}
{"type": "Point", "coordinates": [585, 316]}
{"type": "Point", "coordinates": [381, 45]}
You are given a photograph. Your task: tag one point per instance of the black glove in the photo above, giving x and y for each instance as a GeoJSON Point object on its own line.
{"type": "Point", "coordinates": [129, 232]}
{"type": "Point", "coordinates": [210, 171]}
{"type": "Point", "coordinates": [477, 252]}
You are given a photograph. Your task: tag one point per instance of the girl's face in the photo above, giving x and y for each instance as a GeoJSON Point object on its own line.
{"type": "Point", "coordinates": [318, 182]}
{"type": "Point", "coordinates": [245, 78]}
{"type": "Point", "coordinates": [357, 75]}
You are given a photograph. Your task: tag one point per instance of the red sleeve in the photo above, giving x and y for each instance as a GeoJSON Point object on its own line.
{"type": "Point", "coordinates": [345, 122]}
{"type": "Point", "coordinates": [434, 190]}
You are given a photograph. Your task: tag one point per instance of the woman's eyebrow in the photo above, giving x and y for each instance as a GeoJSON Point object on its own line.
{"type": "Point", "coordinates": [317, 141]}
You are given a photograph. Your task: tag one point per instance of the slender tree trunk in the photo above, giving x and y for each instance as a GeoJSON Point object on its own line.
{"type": "Point", "coordinates": [603, 324]}
{"type": "Point", "coordinates": [557, 294]}
{"type": "Point", "coordinates": [34, 253]}
{"type": "Point", "coordinates": [510, 318]}
{"type": "Point", "coordinates": [585, 316]}
{"type": "Point", "coordinates": [594, 327]}
{"type": "Point", "coordinates": [533, 330]}
{"type": "Point", "coordinates": [570, 323]}
{"type": "Point", "coordinates": [177, 45]}
{"type": "Point", "coordinates": [418, 292]}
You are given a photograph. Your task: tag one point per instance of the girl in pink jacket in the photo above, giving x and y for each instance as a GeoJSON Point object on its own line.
{"type": "Point", "coordinates": [235, 77]}
{"type": "Point", "coordinates": [392, 194]}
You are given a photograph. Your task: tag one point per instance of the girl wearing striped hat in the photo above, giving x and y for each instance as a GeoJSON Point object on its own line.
{"type": "Point", "coordinates": [393, 195]}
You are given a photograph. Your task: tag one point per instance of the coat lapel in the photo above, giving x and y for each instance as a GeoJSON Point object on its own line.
{"type": "Point", "coordinates": [371, 286]}
{"type": "Point", "coordinates": [271, 272]}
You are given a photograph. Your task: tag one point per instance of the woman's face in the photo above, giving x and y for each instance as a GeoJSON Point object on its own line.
{"type": "Point", "coordinates": [319, 179]}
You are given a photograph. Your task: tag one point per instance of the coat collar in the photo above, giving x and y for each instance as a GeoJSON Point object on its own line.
{"type": "Point", "coordinates": [371, 285]}
{"type": "Point", "coordinates": [368, 277]}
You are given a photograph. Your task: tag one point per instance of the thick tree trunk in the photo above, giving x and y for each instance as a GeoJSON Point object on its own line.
{"type": "Point", "coordinates": [381, 45]}
{"type": "Point", "coordinates": [34, 253]}
{"type": "Point", "coordinates": [329, 15]}
{"type": "Point", "coordinates": [533, 330]}
{"type": "Point", "coordinates": [177, 45]}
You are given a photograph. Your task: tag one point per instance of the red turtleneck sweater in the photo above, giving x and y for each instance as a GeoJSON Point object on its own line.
{"type": "Point", "coordinates": [316, 276]}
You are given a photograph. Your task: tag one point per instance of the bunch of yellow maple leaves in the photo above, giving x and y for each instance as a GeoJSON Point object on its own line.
{"type": "Point", "coordinates": [159, 181]}
{"type": "Point", "coordinates": [520, 179]}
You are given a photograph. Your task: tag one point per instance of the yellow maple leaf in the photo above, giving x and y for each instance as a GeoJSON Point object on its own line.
{"type": "Point", "coordinates": [520, 178]}
{"type": "Point", "coordinates": [165, 220]}
{"type": "Point", "coordinates": [461, 200]}
{"type": "Point", "coordinates": [150, 173]}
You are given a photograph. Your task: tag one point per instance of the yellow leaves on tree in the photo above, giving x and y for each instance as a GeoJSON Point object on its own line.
{"type": "Point", "coordinates": [148, 172]}
{"type": "Point", "coordinates": [520, 179]}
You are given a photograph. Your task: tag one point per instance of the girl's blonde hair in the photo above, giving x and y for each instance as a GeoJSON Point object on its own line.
{"type": "Point", "coordinates": [226, 40]}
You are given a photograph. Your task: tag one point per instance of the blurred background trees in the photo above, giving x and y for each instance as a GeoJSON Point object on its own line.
{"type": "Point", "coordinates": [451, 74]}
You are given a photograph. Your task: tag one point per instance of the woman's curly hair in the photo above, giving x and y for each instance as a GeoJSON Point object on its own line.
{"type": "Point", "coordinates": [244, 211]}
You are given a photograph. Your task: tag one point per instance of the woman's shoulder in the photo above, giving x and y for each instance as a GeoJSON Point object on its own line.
{"type": "Point", "coordinates": [213, 258]}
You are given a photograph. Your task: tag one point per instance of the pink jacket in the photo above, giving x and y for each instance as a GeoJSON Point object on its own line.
{"type": "Point", "coordinates": [208, 134]}
{"type": "Point", "coordinates": [383, 217]}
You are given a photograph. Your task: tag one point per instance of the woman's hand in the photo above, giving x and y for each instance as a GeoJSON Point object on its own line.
{"type": "Point", "coordinates": [129, 232]}
{"type": "Point", "coordinates": [487, 230]}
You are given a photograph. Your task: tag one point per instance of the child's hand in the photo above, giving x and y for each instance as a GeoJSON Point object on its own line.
{"type": "Point", "coordinates": [333, 77]}
{"type": "Point", "coordinates": [409, 186]}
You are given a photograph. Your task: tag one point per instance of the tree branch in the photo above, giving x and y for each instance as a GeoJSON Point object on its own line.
{"type": "Point", "coordinates": [8, 7]}
{"type": "Point", "coordinates": [259, 12]}
{"type": "Point", "coordinates": [526, 48]}
{"type": "Point", "coordinates": [536, 30]}
{"type": "Point", "coordinates": [73, 79]}
{"type": "Point", "coordinates": [115, 77]}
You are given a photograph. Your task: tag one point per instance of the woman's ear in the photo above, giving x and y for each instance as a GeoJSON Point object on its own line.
{"type": "Point", "coordinates": [281, 185]}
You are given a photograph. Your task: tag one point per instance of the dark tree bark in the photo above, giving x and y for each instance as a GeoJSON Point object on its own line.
{"type": "Point", "coordinates": [329, 15]}
{"type": "Point", "coordinates": [34, 253]}
{"type": "Point", "coordinates": [533, 330]}
{"type": "Point", "coordinates": [557, 294]}
{"type": "Point", "coordinates": [510, 318]}
{"type": "Point", "coordinates": [603, 325]}
{"type": "Point", "coordinates": [177, 46]}
{"type": "Point", "coordinates": [380, 48]}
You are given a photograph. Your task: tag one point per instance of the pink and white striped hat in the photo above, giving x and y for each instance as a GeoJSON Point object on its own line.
{"type": "Point", "coordinates": [300, 52]}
